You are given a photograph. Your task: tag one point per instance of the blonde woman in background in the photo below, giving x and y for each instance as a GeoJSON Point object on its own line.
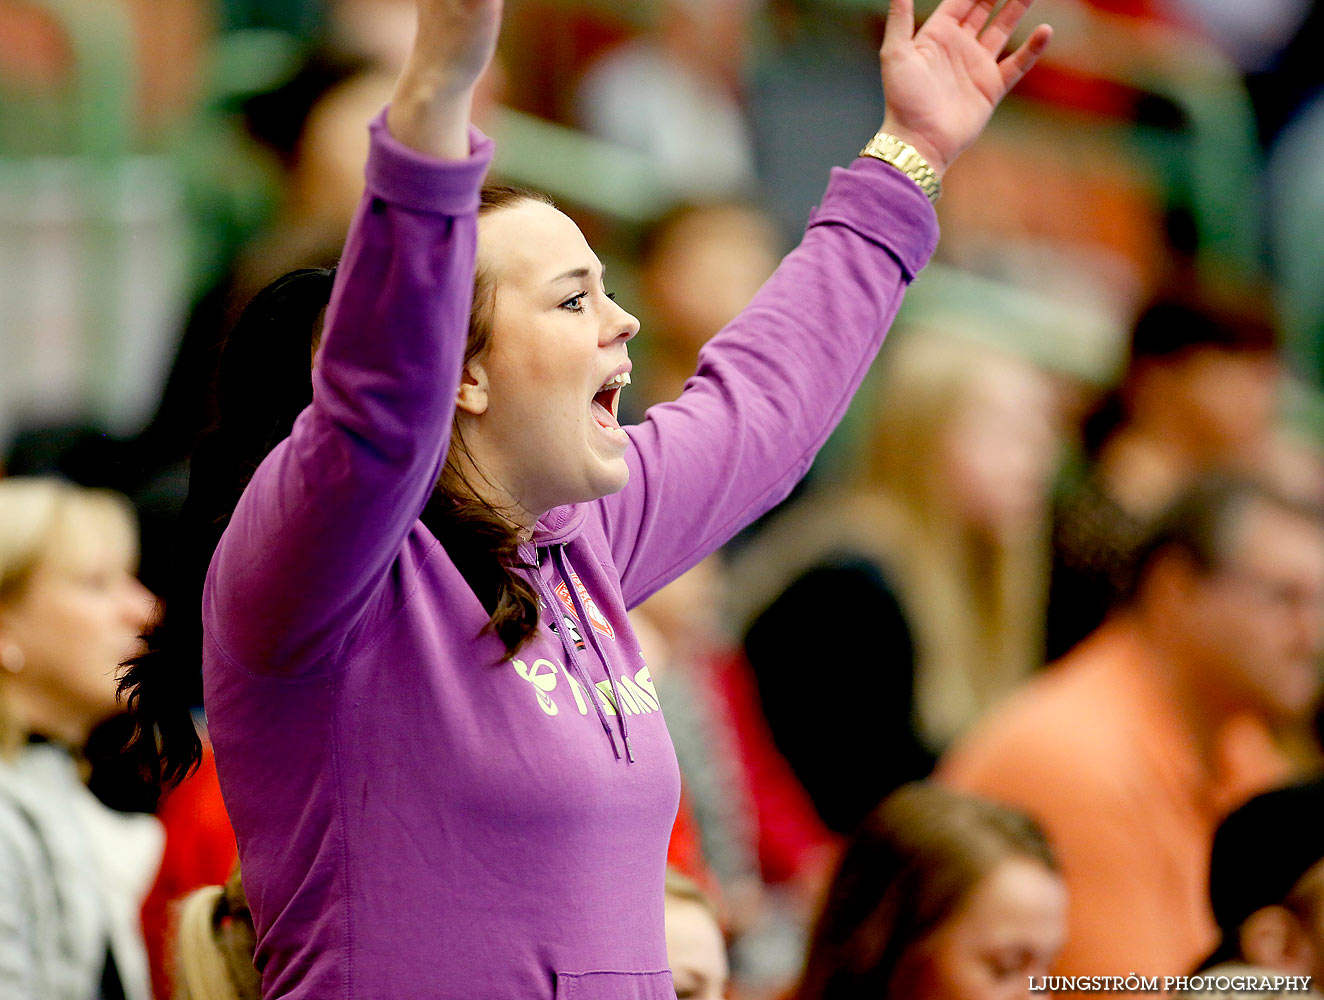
{"type": "Point", "coordinates": [903, 603]}
{"type": "Point", "coordinates": [214, 945]}
{"type": "Point", "coordinates": [73, 873]}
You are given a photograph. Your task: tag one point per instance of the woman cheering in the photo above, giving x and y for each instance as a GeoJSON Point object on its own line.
{"type": "Point", "coordinates": [438, 742]}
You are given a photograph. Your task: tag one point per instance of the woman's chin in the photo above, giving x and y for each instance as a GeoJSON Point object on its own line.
{"type": "Point", "coordinates": [615, 475]}
{"type": "Point", "coordinates": [605, 477]}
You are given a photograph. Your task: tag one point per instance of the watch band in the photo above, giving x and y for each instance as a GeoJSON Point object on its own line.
{"type": "Point", "coordinates": [905, 157]}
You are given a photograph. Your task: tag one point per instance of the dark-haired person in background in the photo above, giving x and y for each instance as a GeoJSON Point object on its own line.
{"type": "Point", "coordinates": [1266, 884]}
{"type": "Point", "coordinates": [1133, 748]}
{"type": "Point", "coordinates": [438, 741]}
{"type": "Point", "coordinates": [1197, 396]}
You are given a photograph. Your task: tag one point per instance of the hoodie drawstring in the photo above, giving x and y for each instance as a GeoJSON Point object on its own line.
{"type": "Point", "coordinates": [572, 655]}
{"type": "Point", "coordinates": [558, 557]}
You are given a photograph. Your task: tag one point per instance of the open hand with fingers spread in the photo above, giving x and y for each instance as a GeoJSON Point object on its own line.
{"type": "Point", "coordinates": [941, 84]}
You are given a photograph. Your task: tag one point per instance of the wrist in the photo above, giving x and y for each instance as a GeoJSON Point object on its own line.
{"type": "Point", "coordinates": [906, 159]}
{"type": "Point", "coordinates": [936, 161]}
{"type": "Point", "coordinates": [431, 115]}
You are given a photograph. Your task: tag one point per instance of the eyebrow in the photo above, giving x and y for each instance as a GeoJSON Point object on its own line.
{"type": "Point", "coordinates": [579, 273]}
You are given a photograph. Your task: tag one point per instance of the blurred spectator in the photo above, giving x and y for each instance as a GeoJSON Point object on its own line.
{"type": "Point", "coordinates": [1252, 33]}
{"type": "Point", "coordinates": [214, 945]}
{"type": "Point", "coordinates": [729, 785]}
{"type": "Point", "coordinates": [939, 896]}
{"type": "Point", "coordinates": [200, 850]}
{"type": "Point", "coordinates": [1293, 74]}
{"type": "Point", "coordinates": [696, 951]}
{"type": "Point", "coordinates": [680, 635]}
{"type": "Point", "coordinates": [700, 265]}
{"type": "Point", "coordinates": [73, 874]}
{"type": "Point", "coordinates": [93, 224]}
{"type": "Point", "coordinates": [816, 71]}
{"type": "Point", "coordinates": [673, 96]}
{"type": "Point", "coordinates": [1198, 395]}
{"type": "Point", "coordinates": [1266, 883]}
{"type": "Point", "coordinates": [919, 587]}
{"type": "Point", "coordinates": [1296, 213]}
{"type": "Point", "coordinates": [1138, 743]}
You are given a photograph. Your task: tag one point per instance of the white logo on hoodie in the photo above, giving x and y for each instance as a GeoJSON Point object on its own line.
{"type": "Point", "coordinates": [638, 696]}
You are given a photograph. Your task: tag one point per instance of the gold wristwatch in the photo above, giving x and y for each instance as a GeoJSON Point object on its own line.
{"type": "Point", "coordinates": [905, 157]}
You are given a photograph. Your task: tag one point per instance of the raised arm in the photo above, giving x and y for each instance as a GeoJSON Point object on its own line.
{"type": "Point", "coordinates": [771, 387]}
{"type": "Point", "coordinates": [328, 511]}
{"type": "Point", "coordinates": [432, 100]}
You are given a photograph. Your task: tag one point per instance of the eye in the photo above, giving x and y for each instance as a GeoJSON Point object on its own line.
{"type": "Point", "coordinates": [94, 580]}
{"type": "Point", "coordinates": [1006, 965]}
{"type": "Point", "coordinates": [575, 303]}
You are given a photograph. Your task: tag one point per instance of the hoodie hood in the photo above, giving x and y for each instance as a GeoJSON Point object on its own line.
{"type": "Point", "coordinates": [559, 526]}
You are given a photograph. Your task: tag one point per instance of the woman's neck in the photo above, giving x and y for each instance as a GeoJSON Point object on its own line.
{"type": "Point", "coordinates": [45, 716]}
{"type": "Point", "coordinates": [487, 488]}
{"type": "Point", "coordinates": [1178, 671]}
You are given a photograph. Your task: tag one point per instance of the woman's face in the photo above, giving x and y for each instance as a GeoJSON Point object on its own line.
{"type": "Point", "coordinates": [535, 414]}
{"type": "Point", "coordinates": [74, 623]}
{"type": "Point", "coordinates": [1000, 446]}
{"type": "Point", "coordinates": [1228, 399]}
{"type": "Point", "coordinates": [1009, 930]}
{"type": "Point", "coordinates": [695, 951]}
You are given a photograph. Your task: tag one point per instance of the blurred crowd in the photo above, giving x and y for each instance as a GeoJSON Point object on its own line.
{"type": "Point", "coordinates": [1025, 679]}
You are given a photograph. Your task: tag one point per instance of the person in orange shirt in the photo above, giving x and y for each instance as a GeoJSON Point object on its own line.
{"type": "Point", "coordinates": [1134, 747]}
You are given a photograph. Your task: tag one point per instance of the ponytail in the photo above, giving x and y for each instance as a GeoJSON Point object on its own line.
{"type": "Point", "coordinates": [261, 387]}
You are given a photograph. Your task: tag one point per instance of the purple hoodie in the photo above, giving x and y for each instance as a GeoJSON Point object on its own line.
{"type": "Point", "coordinates": [419, 814]}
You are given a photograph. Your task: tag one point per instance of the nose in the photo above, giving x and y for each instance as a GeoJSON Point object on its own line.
{"type": "Point", "coordinates": [617, 325]}
{"type": "Point", "coordinates": [138, 605]}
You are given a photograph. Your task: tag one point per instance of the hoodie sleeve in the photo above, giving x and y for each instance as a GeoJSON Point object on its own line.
{"type": "Point", "coordinates": [771, 386]}
{"type": "Point", "coordinates": [328, 511]}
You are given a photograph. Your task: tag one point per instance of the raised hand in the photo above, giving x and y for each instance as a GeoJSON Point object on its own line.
{"type": "Point", "coordinates": [455, 40]}
{"type": "Point", "coordinates": [432, 100]}
{"type": "Point", "coordinates": [941, 85]}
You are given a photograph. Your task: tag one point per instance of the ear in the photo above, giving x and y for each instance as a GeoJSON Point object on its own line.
{"type": "Point", "coordinates": [1273, 937]}
{"type": "Point", "coordinates": [471, 397]}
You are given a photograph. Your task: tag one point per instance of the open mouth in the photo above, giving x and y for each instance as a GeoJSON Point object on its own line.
{"type": "Point", "coordinates": [607, 401]}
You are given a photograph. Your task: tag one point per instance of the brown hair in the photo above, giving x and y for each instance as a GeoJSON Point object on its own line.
{"type": "Point", "coordinates": [905, 871]}
{"type": "Point", "coordinates": [481, 542]}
